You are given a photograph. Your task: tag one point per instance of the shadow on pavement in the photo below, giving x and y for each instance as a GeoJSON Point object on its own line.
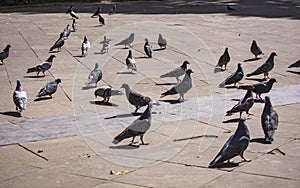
{"type": "Point", "coordinates": [42, 99]}
{"type": "Point", "coordinates": [11, 113]}
{"type": "Point", "coordinates": [103, 103]}
{"type": "Point", "coordinates": [252, 59]}
{"type": "Point", "coordinates": [127, 147]}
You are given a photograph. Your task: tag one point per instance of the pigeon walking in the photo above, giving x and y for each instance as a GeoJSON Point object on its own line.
{"type": "Point", "coordinates": [265, 68]}
{"type": "Point", "coordinates": [95, 76]}
{"type": "Point", "coordinates": [74, 25]}
{"type": "Point", "coordinates": [5, 53]}
{"type": "Point", "coordinates": [235, 145]}
{"type": "Point", "coordinates": [179, 71]}
{"type": "Point", "coordinates": [127, 41]}
{"type": "Point", "coordinates": [162, 42]}
{"type": "Point", "coordinates": [85, 46]}
{"type": "Point", "coordinates": [20, 97]}
{"type": "Point", "coordinates": [101, 20]}
{"type": "Point", "coordinates": [255, 49]}
{"type": "Point", "coordinates": [43, 67]}
{"type": "Point", "coordinates": [137, 128]}
{"type": "Point", "coordinates": [135, 98]}
{"type": "Point", "coordinates": [234, 78]}
{"type": "Point", "coordinates": [106, 92]}
{"type": "Point", "coordinates": [296, 64]}
{"type": "Point", "coordinates": [182, 87]}
{"type": "Point", "coordinates": [243, 105]}
{"type": "Point", "coordinates": [67, 31]}
{"type": "Point", "coordinates": [130, 62]}
{"type": "Point", "coordinates": [269, 120]}
{"type": "Point", "coordinates": [49, 89]}
{"type": "Point", "coordinates": [113, 10]}
{"type": "Point", "coordinates": [97, 12]}
{"type": "Point", "coordinates": [224, 59]}
{"type": "Point", "coordinates": [58, 44]}
{"type": "Point", "coordinates": [148, 48]}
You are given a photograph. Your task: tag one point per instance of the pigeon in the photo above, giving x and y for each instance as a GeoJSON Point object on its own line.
{"type": "Point", "coordinates": [97, 12]}
{"type": "Point", "coordinates": [70, 9]}
{"type": "Point", "coordinates": [5, 53]}
{"type": "Point", "coordinates": [148, 48]}
{"type": "Point", "coordinates": [105, 45]}
{"type": "Point", "coordinates": [85, 46]}
{"type": "Point", "coordinates": [137, 128]}
{"type": "Point", "coordinates": [179, 71]}
{"type": "Point", "coordinates": [127, 41]}
{"type": "Point", "coordinates": [74, 25]}
{"type": "Point", "coordinates": [296, 64]}
{"type": "Point", "coordinates": [265, 68]}
{"type": "Point", "coordinates": [106, 92]}
{"type": "Point", "coordinates": [46, 65]}
{"type": "Point", "coordinates": [59, 43]}
{"type": "Point", "coordinates": [234, 78]}
{"type": "Point", "coordinates": [243, 105]}
{"type": "Point", "coordinates": [255, 49]}
{"type": "Point", "coordinates": [230, 8]}
{"type": "Point", "coordinates": [224, 59]}
{"type": "Point", "coordinates": [162, 42]}
{"type": "Point", "coordinates": [182, 87]}
{"type": "Point", "coordinates": [20, 97]}
{"type": "Point", "coordinates": [260, 88]}
{"type": "Point", "coordinates": [130, 62]}
{"type": "Point", "coordinates": [235, 145]}
{"type": "Point", "coordinates": [67, 31]}
{"type": "Point", "coordinates": [101, 20]}
{"type": "Point", "coordinates": [95, 76]}
{"type": "Point", "coordinates": [269, 120]}
{"type": "Point", "coordinates": [49, 89]}
{"type": "Point", "coordinates": [113, 10]}
{"type": "Point", "coordinates": [135, 98]}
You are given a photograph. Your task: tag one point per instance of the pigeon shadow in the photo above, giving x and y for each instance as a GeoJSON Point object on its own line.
{"type": "Point", "coordinates": [236, 99]}
{"type": "Point", "coordinates": [54, 52]}
{"type": "Point", "coordinates": [98, 25]}
{"type": "Point", "coordinates": [259, 140]}
{"type": "Point", "coordinates": [235, 120]}
{"type": "Point", "coordinates": [88, 87]}
{"type": "Point", "coordinates": [127, 147]}
{"type": "Point", "coordinates": [230, 87]}
{"type": "Point", "coordinates": [252, 59]}
{"type": "Point", "coordinates": [124, 48]}
{"type": "Point", "coordinates": [159, 49]}
{"type": "Point", "coordinates": [103, 103]}
{"type": "Point", "coordinates": [217, 70]}
{"type": "Point", "coordinates": [36, 76]}
{"type": "Point", "coordinates": [101, 53]}
{"type": "Point", "coordinates": [42, 98]}
{"type": "Point", "coordinates": [294, 72]}
{"type": "Point", "coordinates": [12, 113]}
{"type": "Point", "coordinates": [172, 101]}
{"type": "Point", "coordinates": [80, 56]}
{"type": "Point", "coordinates": [124, 115]}
{"type": "Point", "coordinates": [143, 57]}
{"type": "Point", "coordinates": [228, 165]}
{"type": "Point", "coordinates": [256, 79]}
{"type": "Point", "coordinates": [125, 73]}
{"type": "Point", "coordinates": [165, 84]}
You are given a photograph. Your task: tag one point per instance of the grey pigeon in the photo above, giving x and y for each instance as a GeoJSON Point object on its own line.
{"type": "Point", "coordinates": [235, 77]}
{"type": "Point", "coordinates": [85, 46]}
{"type": "Point", "coordinates": [49, 89]}
{"type": "Point", "coordinates": [179, 71]}
{"type": "Point", "coordinates": [74, 25]}
{"type": "Point", "coordinates": [105, 45]}
{"type": "Point", "coordinates": [265, 68]}
{"type": "Point", "coordinates": [255, 49]}
{"type": "Point", "coordinates": [127, 41]}
{"type": "Point", "coordinates": [106, 92]}
{"type": "Point", "coordinates": [20, 97]}
{"type": "Point", "coordinates": [243, 105]}
{"type": "Point", "coordinates": [101, 19]}
{"type": "Point", "coordinates": [260, 88]}
{"type": "Point", "coordinates": [224, 59]}
{"type": "Point", "coordinates": [269, 120]}
{"type": "Point", "coordinates": [130, 62]}
{"type": "Point", "coordinates": [296, 64]}
{"type": "Point", "coordinates": [70, 9]}
{"type": "Point", "coordinates": [97, 12]}
{"type": "Point", "coordinates": [46, 65]}
{"type": "Point", "coordinates": [230, 8]}
{"type": "Point", "coordinates": [235, 145]}
{"type": "Point", "coordinates": [95, 76]}
{"type": "Point", "coordinates": [137, 128]}
{"type": "Point", "coordinates": [5, 53]}
{"type": "Point", "coordinates": [113, 10]}
{"type": "Point", "coordinates": [182, 87]}
{"type": "Point", "coordinates": [135, 98]}
{"type": "Point", "coordinates": [162, 42]}
{"type": "Point", "coordinates": [67, 31]}
{"type": "Point", "coordinates": [148, 48]}
{"type": "Point", "coordinates": [59, 43]}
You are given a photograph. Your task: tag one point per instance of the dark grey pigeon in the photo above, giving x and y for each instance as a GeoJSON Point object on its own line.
{"type": "Point", "coordinates": [70, 9]}
{"type": "Point", "coordinates": [59, 43]}
{"type": "Point", "coordinates": [106, 92]}
{"type": "Point", "coordinates": [5, 53]}
{"type": "Point", "coordinates": [235, 77]}
{"type": "Point", "coordinates": [269, 120]}
{"type": "Point", "coordinates": [182, 87]}
{"type": "Point", "coordinates": [255, 49]}
{"type": "Point", "coordinates": [265, 68]}
{"type": "Point", "coordinates": [135, 98]}
{"type": "Point", "coordinates": [101, 20]}
{"type": "Point", "coordinates": [224, 59]}
{"type": "Point", "coordinates": [74, 25]}
{"type": "Point", "coordinates": [179, 71]}
{"type": "Point", "coordinates": [296, 64]}
{"type": "Point", "coordinates": [243, 105]}
{"type": "Point", "coordinates": [162, 42]}
{"type": "Point", "coordinates": [235, 145]}
{"type": "Point", "coordinates": [49, 89]}
{"type": "Point", "coordinates": [95, 76]}
{"type": "Point", "coordinates": [137, 128]}
{"type": "Point", "coordinates": [148, 48]}
{"type": "Point", "coordinates": [113, 10]}
{"type": "Point", "coordinates": [67, 31]}
{"type": "Point", "coordinates": [127, 41]}
{"type": "Point", "coordinates": [46, 65]}
{"type": "Point", "coordinates": [260, 88]}
{"type": "Point", "coordinates": [97, 12]}
{"type": "Point", "coordinates": [20, 97]}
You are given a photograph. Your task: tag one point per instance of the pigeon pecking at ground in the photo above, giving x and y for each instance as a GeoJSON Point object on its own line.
{"type": "Point", "coordinates": [101, 19]}
{"type": "Point", "coordinates": [5, 53]}
{"type": "Point", "coordinates": [135, 98]}
{"type": "Point", "coordinates": [179, 71]}
{"type": "Point", "coordinates": [97, 12]}
{"type": "Point", "coordinates": [46, 65]}
{"type": "Point", "coordinates": [113, 10]}
{"type": "Point", "coordinates": [182, 87]}
{"type": "Point", "coordinates": [20, 97]}
{"type": "Point", "coordinates": [127, 41]}
{"type": "Point", "coordinates": [224, 59]}
{"type": "Point", "coordinates": [95, 76]}
{"type": "Point", "coordinates": [137, 128]}
{"type": "Point", "coordinates": [255, 49]}
{"type": "Point", "coordinates": [49, 89]}
{"type": "Point", "coordinates": [234, 78]}
{"type": "Point", "coordinates": [243, 105]}
{"type": "Point", "coordinates": [74, 25]}
{"type": "Point", "coordinates": [235, 145]}
{"type": "Point", "coordinates": [85, 46]}
{"type": "Point", "coordinates": [59, 43]}
{"type": "Point", "coordinates": [148, 48]}
{"type": "Point", "coordinates": [67, 31]}
{"type": "Point", "coordinates": [162, 42]}
{"type": "Point", "coordinates": [265, 68]}
{"type": "Point", "coordinates": [106, 92]}
{"type": "Point", "coordinates": [296, 64]}
{"type": "Point", "coordinates": [269, 120]}
{"type": "Point", "coordinates": [130, 62]}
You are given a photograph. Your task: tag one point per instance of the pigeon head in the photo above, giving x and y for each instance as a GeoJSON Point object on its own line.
{"type": "Point", "coordinates": [7, 48]}
{"type": "Point", "coordinates": [186, 62]}
{"type": "Point", "coordinates": [226, 49]}
{"type": "Point", "coordinates": [272, 80]}
{"type": "Point", "coordinates": [132, 35]}
{"type": "Point", "coordinates": [96, 66]}
{"type": "Point", "coordinates": [125, 86]}
{"type": "Point", "coordinates": [273, 54]}
{"type": "Point", "coordinates": [189, 71]}
{"type": "Point", "coordinates": [19, 86]}
{"type": "Point", "coordinates": [50, 59]}
{"type": "Point", "coordinates": [58, 80]}
{"type": "Point", "coordinates": [85, 39]}
{"type": "Point", "coordinates": [146, 40]}
{"type": "Point", "coordinates": [254, 42]}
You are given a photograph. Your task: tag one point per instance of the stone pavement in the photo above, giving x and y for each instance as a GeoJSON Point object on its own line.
{"type": "Point", "coordinates": [66, 141]}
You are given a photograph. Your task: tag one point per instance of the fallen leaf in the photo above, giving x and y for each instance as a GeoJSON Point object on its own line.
{"type": "Point", "coordinates": [189, 164]}
{"type": "Point", "coordinates": [199, 156]}
{"type": "Point", "coordinates": [276, 151]}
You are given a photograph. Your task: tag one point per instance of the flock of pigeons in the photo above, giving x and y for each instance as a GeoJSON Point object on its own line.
{"type": "Point", "coordinates": [236, 144]}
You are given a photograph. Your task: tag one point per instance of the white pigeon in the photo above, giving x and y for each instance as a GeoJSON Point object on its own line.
{"type": "Point", "coordinates": [85, 46]}
{"type": "Point", "coordinates": [20, 97]}
{"type": "Point", "coordinates": [130, 62]}
{"type": "Point", "coordinates": [95, 76]}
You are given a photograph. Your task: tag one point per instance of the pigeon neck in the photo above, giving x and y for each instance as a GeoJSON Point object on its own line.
{"type": "Point", "coordinates": [271, 58]}
{"type": "Point", "coordinates": [127, 91]}
{"type": "Point", "coordinates": [268, 106]}
{"type": "Point", "coordinates": [6, 49]}
{"type": "Point", "coordinates": [19, 87]}
{"type": "Point", "coordinates": [242, 129]}
{"type": "Point", "coordinates": [50, 59]}
{"type": "Point", "coordinates": [183, 66]}
{"type": "Point", "coordinates": [146, 114]}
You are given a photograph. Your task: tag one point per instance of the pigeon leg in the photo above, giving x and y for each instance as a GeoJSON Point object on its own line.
{"type": "Point", "coordinates": [143, 143]}
{"type": "Point", "coordinates": [136, 109]}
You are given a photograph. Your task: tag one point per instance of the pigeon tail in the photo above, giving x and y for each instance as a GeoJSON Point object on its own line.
{"type": "Point", "coordinates": [246, 87]}
{"type": "Point", "coordinates": [169, 92]}
{"type": "Point", "coordinates": [33, 69]}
